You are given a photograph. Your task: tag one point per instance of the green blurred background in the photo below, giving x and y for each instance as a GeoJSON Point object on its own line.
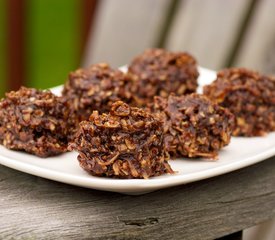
{"type": "Point", "coordinates": [52, 41]}
{"type": "Point", "coordinates": [41, 41]}
{"type": "Point", "coordinates": [51, 38]}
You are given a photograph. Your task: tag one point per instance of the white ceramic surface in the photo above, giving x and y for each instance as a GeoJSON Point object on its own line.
{"type": "Point", "coordinates": [240, 153]}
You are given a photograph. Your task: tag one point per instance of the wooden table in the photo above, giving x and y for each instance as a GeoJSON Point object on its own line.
{"type": "Point", "coordinates": [36, 208]}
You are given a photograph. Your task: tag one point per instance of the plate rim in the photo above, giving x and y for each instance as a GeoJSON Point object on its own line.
{"type": "Point", "coordinates": [137, 184]}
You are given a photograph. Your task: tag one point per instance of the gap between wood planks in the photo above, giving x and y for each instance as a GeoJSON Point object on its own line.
{"type": "Point", "coordinates": [230, 59]}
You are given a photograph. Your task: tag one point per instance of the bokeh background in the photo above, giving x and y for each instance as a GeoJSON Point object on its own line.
{"type": "Point", "coordinates": [41, 41]}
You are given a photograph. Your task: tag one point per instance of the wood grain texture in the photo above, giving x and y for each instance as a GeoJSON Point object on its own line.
{"type": "Point", "coordinates": [258, 46]}
{"type": "Point", "coordinates": [207, 29]}
{"type": "Point", "coordinates": [125, 28]}
{"type": "Point", "coordinates": [36, 208]}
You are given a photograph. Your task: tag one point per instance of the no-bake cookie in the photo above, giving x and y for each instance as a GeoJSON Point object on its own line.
{"type": "Point", "coordinates": [34, 121]}
{"type": "Point", "coordinates": [94, 88]}
{"type": "Point", "coordinates": [193, 126]}
{"type": "Point", "coordinates": [158, 72]}
{"type": "Point", "coordinates": [125, 143]}
{"type": "Point", "coordinates": [250, 96]}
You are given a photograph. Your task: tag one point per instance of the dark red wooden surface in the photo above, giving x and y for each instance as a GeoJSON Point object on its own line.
{"type": "Point", "coordinates": [16, 72]}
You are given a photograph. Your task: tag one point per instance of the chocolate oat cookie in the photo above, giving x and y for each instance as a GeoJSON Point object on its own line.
{"type": "Point", "coordinates": [126, 143]}
{"type": "Point", "coordinates": [34, 121]}
{"type": "Point", "coordinates": [158, 72]}
{"type": "Point", "coordinates": [250, 96]}
{"type": "Point", "coordinates": [193, 126]}
{"type": "Point", "coordinates": [94, 88]}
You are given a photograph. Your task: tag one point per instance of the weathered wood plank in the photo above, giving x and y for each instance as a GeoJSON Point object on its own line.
{"type": "Point", "coordinates": [258, 47]}
{"type": "Point", "coordinates": [35, 208]}
{"type": "Point", "coordinates": [207, 29]}
{"type": "Point", "coordinates": [125, 28]}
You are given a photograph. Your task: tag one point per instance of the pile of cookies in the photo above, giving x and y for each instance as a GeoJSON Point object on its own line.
{"type": "Point", "coordinates": [129, 124]}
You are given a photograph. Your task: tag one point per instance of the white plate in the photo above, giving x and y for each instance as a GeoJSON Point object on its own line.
{"type": "Point", "coordinates": [240, 153]}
